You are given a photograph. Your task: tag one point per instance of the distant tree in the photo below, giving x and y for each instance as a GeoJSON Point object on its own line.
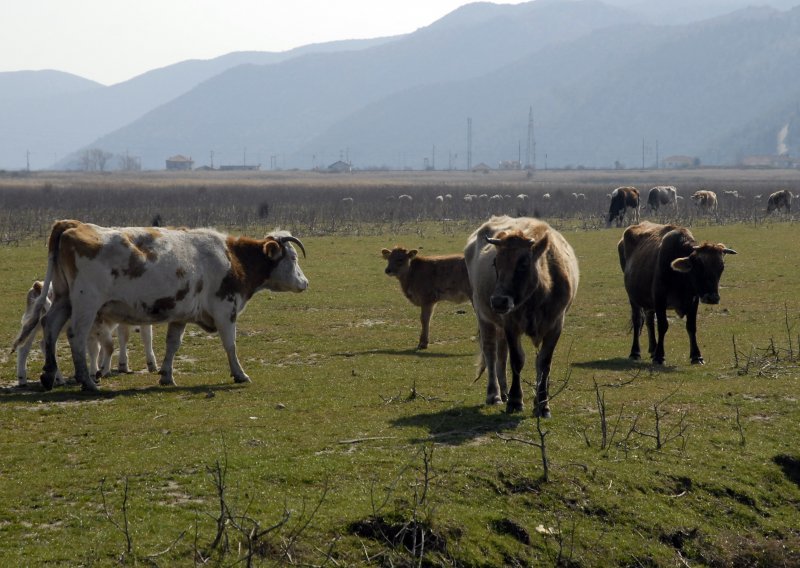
{"type": "Point", "coordinates": [129, 163]}
{"type": "Point", "coordinates": [94, 159]}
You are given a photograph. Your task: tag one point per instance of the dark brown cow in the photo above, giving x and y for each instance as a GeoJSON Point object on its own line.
{"type": "Point", "coordinates": [666, 268]}
{"type": "Point", "coordinates": [780, 200]}
{"type": "Point", "coordinates": [427, 280]}
{"type": "Point", "coordinates": [524, 277]}
{"type": "Point", "coordinates": [622, 199]}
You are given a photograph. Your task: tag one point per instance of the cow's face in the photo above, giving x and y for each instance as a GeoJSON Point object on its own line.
{"type": "Point", "coordinates": [286, 276]}
{"type": "Point", "coordinates": [397, 260]}
{"type": "Point", "coordinates": [515, 267]}
{"type": "Point", "coordinates": [704, 268]}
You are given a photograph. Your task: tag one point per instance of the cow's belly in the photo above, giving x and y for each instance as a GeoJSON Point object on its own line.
{"type": "Point", "coordinates": [142, 312]}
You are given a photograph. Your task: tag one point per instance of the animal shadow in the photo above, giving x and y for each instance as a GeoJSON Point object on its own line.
{"type": "Point", "coordinates": [458, 425]}
{"type": "Point", "coordinates": [623, 364]}
{"type": "Point", "coordinates": [790, 466]}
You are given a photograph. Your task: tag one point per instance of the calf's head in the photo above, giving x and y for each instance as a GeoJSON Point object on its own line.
{"type": "Point", "coordinates": [397, 260]}
{"type": "Point", "coordinates": [704, 266]}
{"type": "Point", "coordinates": [515, 267]}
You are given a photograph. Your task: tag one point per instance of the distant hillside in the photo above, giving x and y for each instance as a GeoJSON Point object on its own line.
{"type": "Point", "coordinates": [26, 85]}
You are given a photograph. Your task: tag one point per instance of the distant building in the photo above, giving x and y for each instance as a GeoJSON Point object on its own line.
{"type": "Point", "coordinates": [782, 161]}
{"type": "Point", "coordinates": [240, 168]}
{"type": "Point", "coordinates": [339, 167]}
{"type": "Point", "coordinates": [481, 168]}
{"type": "Point", "coordinates": [179, 162]}
{"type": "Point", "coordinates": [510, 165]}
{"type": "Point", "coordinates": [678, 162]}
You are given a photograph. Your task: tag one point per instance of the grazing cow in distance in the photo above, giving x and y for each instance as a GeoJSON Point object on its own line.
{"type": "Point", "coordinates": [780, 200]}
{"type": "Point", "coordinates": [100, 345]}
{"type": "Point", "coordinates": [142, 275]}
{"type": "Point", "coordinates": [662, 195]}
{"type": "Point", "coordinates": [427, 280]}
{"type": "Point", "coordinates": [705, 201]}
{"type": "Point", "coordinates": [665, 268]}
{"type": "Point", "coordinates": [622, 199]}
{"type": "Point", "coordinates": [524, 277]}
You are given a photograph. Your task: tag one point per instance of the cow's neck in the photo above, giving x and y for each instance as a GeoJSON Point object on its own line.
{"type": "Point", "coordinates": [250, 267]}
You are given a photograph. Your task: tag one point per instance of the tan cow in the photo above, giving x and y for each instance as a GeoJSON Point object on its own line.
{"type": "Point", "coordinates": [427, 280]}
{"type": "Point", "coordinates": [705, 201]}
{"type": "Point", "coordinates": [780, 200]}
{"type": "Point", "coordinates": [524, 277]}
{"type": "Point", "coordinates": [140, 275]}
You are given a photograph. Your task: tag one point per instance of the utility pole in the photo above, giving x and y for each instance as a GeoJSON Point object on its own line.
{"type": "Point", "coordinates": [469, 143]}
{"type": "Point", "coordinates": [211, 157]}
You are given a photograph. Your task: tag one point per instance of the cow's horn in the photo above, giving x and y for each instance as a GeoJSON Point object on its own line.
{"type": "Point", "coordinates": [727, 250]}
{"type": "Point", "coordinates": [491, 241]}
{"type": "Point", "coordinates": [291, 239]}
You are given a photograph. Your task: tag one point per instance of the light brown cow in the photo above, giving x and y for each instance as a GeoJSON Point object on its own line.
{"type": "Point", "coordinates": [780, 200]}
{"type": "Point", "coordinates": [524, 277]}
{"type": "Point", "coordinates": [427, 280]}
{"type": "Point", "coordinates": [705, 201]}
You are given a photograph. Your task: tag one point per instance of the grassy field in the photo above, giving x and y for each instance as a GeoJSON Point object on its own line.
{"type": "Point", "coordinates": [349, 448]}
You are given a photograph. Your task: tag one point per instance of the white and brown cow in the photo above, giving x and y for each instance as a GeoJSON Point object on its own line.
{"type": "Point", "coordinates": [427, 280]}
{"type": "Point", "coordinates": [141, 275]}
{"type": "Point", "coordinates": [622, 199]}
{"type": "Point", "coordinates": [665, 268]}
{"type": "Point", "coordinates": [705, 201]}
{"type": "Point", "coordinates": [662, 195]}
{"type": "Point", "coordinates": [524, 277]}
{"type": "Point", "coordinates": [780, 200]}
{"type": "Point", "coordinates": [100, 346]}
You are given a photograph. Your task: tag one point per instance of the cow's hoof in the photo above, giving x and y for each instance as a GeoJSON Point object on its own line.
{"type": "Point", "coordinates": [124, 369]}
{"type": "Point", "coordinates": [698, 361]}
{"type": "Point", "coordinates": [634, 356]}
{"type": "Point", "coordinates": [542, 412]}
{"type": "Point", "coordinates": [47, 381]}
{"type": "Point", "coordinates": [241, 379]}
{"type": "Point", "coordinates": [89, 386]}
{"type": "Point", "coordinates": [493, 400]}
{"type": "Point", "coordinates": [658, 361]}
{"type": "Point", "coordinates": [514, 406]}
{"type": "Point", "coordinates": [422, 346]}
{"type": "Point", "coordinates": [152, 367]}
{"type": "Point", "coordinates": [166, 381]}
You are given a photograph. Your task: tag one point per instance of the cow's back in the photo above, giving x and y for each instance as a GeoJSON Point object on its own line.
{"type": "Point", "coordinates": [437, 278]}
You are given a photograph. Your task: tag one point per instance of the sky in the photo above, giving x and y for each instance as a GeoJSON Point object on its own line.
{"type": "Point", "coordinates": [110, 41]}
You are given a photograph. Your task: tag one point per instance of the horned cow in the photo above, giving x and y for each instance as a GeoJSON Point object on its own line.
{"type": "Point", "coordinates": [665, 268]}
{"type": "Point", "coordinates": [524, 277]}
{"type": "Point", "coordinates": [140, 275]}
{"type": "Point", "coordinates": [100, 345]}
{"type": "Point", "coordinates": [427, 280]}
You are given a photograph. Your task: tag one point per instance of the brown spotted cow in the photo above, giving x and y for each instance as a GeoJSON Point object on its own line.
{"type": "Point", "coordinates": [780, 200]}
{"type": "Point", "coordinates": [427, 280]}
{"type": "Point", "coordinates": [100, 346]}
{"type": "Point", "coordinates": [622, 199]}
{"type": "Point", "coordinates": [141, 275]}
{"type": "Point", "coordinates": [524, 277]}
{"type": "Point", "coordinates": [705, 201]}
{"type": "Point", "coordinates": [665, 268]}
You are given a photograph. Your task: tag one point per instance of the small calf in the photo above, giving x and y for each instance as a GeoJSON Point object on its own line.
{"type": "Point", "coordinates": [426, 280]}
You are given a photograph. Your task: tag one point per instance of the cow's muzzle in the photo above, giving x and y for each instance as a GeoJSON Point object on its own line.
{"type": "Point", "coordinates": [710, 298]}
{"type": "Point", "coordinates": [501, 304]}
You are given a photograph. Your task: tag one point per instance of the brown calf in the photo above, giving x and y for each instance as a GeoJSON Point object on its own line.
{"type": "Point", "coordinates": [426, 280]}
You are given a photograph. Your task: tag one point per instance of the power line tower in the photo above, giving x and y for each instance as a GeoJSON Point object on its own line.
{"type": "Point", "coordinates": [469, 143]}
{"type": "Point", "coordinates": [530, 149]}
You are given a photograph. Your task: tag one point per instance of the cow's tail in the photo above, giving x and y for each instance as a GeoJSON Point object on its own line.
{"type": "Point", "coordinates": [481, 364]}
{"type": "Point", "coordinates": [35, 315]}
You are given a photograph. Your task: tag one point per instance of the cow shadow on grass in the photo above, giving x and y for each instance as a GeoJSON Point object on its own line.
{"type": "Point", "coordinates": [623, 364]}
{"type": "Point", "coordinates": [405, 352]}
{"type": "Point", "coordinates": [459, 425]}
{"type": "Point", "coordinates": [35, 392]}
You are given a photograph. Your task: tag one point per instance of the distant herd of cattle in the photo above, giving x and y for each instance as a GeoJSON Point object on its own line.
{"type": "Point", "coordinates": [520, 275]}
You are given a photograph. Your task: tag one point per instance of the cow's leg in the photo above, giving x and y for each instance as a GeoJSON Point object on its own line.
{"type": "Point", "coordinates": [650, 317]}
{"type": "Point", "coordinates": [489, 350]}
{"type": "Point", "coordinates": [543, 363]}
{"type": "Point", "coordinates": [123, 335]}
{"type": "Point", "coordinates": [691, 329]}
{"type": "Point", "coordinates": [663, 325]}
{"type": "Point", "coordinates": [23, 351]}
{"type": "Point", "coordinates": [636, 321]}
{"type": "Point", "coordinates": [515, 401]}
{"type": "Point", "coordinates": [227, 334]}
{"type": "Point", "coordinates": [79, 332]}
{"type": "Point", "coordinates": [106, 342]}
{"type": "Point", "coordinates": [425, 320]}
{"type": "Point", "coordinates": [174, 338]}
{"type": "Point", "coordinates": [93, 349]}
{"type": "Point", "coordinates": [500, 364]}
{"type": "Point", "coordinates": [146, 332]}
{"type": "Point", "coordinates": [53, 323]}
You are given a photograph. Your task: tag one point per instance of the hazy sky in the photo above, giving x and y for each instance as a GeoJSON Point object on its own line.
{"type": "Point", "coordinates": [110, 41]}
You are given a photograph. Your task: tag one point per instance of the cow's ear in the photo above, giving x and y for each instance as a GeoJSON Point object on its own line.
{"type": "Point", "coordinates": [412, 253]}
{"type": "Point", "coordinates": [272, 249]}
{"type": "Point", "coordinates": [385, 253]}
{"type": "Point", "coordinates": [539, 246]}
{"type": "Point", "coordinates": [683, 265]}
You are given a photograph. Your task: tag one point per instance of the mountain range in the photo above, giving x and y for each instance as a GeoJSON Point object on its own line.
{"type": "Point", "coordinates": [618, 83]}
